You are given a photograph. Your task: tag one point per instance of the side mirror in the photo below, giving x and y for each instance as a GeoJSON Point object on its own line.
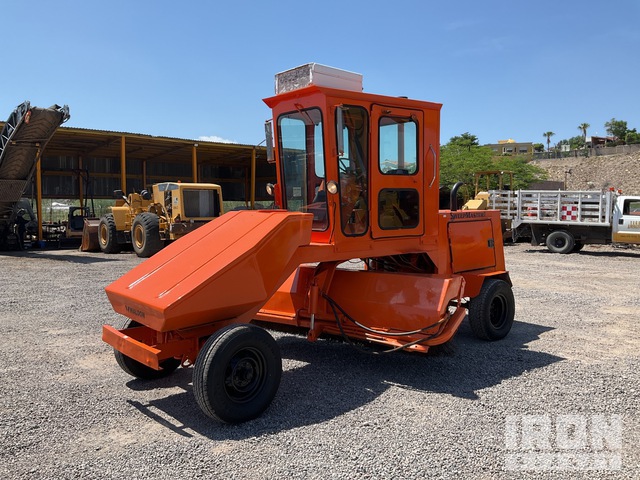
{"type": "Point", "coordinates": [340, 128]}
{"type": "Point", "coordinates": [268, 132]}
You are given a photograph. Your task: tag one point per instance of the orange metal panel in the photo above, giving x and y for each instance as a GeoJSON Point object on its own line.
{"type": "Point", "coordinates": [394, 301]}
{"type": "Point", "coordinates": [472, 245]}
{"type": "Point", "coordinates": [131, 347]}
{"type": "Point", "coordinates": [221, 270]}
{"type": "Point", "coordinates": [387, 302]}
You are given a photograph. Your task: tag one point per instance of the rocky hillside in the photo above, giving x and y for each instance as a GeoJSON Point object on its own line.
{"type": "Point", "coordinates": [595, 173]}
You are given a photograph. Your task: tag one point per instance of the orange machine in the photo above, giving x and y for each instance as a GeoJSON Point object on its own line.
{"type": "Point", "coordinates": [357, 181]}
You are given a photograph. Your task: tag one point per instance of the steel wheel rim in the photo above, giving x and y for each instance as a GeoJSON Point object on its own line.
{"type": "Point", "coordinates": [498, 311]}
{"type": "Point", "coordinates": [138, 236]}
{"type": "Point", "coordinates": [103, 235]}
{"type": "Point", "coordinates": [245, 375]}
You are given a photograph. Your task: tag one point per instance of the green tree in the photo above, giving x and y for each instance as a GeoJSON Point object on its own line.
{"type": "Point", "coordinates": [575, 142]}
{"type": "Point", "coordinates": [548, 135]}
{"type": "Point", "coordinates": [632, 137]}
{"type": "Point", "coordinates": [459, 162]}
{"type": "Point", "coordinates": [538, 147]}
{"type": "Point", "coordinates": [465, 140]}
{"type": "Point", "coordinates": [617, 128]}
{"type": "Point", "coordinates": [583, 128]}
{"type": "Point", "coordinates": [524, 173]}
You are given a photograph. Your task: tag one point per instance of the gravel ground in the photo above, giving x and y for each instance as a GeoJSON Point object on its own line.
{"type": "Point", "coordinates": [68, 411]}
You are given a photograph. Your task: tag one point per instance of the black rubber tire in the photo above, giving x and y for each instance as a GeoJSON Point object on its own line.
{"type": "Point", "coordinates": [107, 235]}
{"type": "Point", "coordinates": [560, 241]}
{"type": "Point", "coordinates": [145, 234]}
{"type": "Point", "coordinates": [491, 313]}
{"type": "Point", "coordinates": [577, 247]}
{"type": "Point", "coordinates": [237, 373]}
{"type": "Point", "coordinates": [140, 370]}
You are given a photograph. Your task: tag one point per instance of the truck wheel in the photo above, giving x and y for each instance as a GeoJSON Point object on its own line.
{"type": "Point", "coordinates": [491, 312]}
{"type": "Point", "coordinates": [577, 247]}
{"type": "Point", "coordinates": [140, 370]}
{"type": "Point", "coordinates": [560, 241]}
{"type": "Point", "coordinates": [145, 234]}
{"type": "Point", "coordinates": [107, 235]}
{"type": "Point", "coordinates": [237, 373]}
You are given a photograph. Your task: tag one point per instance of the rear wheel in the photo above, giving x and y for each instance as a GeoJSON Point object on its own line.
{"type": "Point", "coordinates": [560, 241]}
{"type": "Point", "coordinates": [140, 370]}
{"type": "Point", "coordinates": [145, 234]}
{"type": "Point", "coordinates": [491, 313]}
{"type": "Point", "coordinates": [107, 235]}
{"type": "Point", "coordinates": [237, 373]}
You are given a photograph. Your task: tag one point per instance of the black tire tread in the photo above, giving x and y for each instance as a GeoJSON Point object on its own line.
{"type": "Point", "coordinates": [112, 245]}
{"type": "Point", "coordinates": [150, 224]}
{"type": "Point", "coordinates": [567, 247]}
{"type": "Point", "coordinates": [480, 307]}
{"type": "Point", "coordinates": [212, 358]}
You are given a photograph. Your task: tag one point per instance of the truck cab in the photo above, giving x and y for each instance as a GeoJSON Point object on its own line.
{"type": "Point", "coordinates": [626, 220]}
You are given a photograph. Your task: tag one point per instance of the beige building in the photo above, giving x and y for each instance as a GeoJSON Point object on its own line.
{"type": "Point", "coordinates": [511, 147]}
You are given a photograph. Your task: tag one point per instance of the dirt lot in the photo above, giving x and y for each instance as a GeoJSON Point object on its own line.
{"type": "Point", "coordinates": [68, 411]}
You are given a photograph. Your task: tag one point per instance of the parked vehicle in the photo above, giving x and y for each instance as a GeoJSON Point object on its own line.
{"type": "Point", "coordinates": [565, 221]}
{"type": "Point", "coordinates": [149, 221]}
{"type": "Point", "coordinates": [357, 178]}
{"type": "Point", "coordinates": [23, 138]}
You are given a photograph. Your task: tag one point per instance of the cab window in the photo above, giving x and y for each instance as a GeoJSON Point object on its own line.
{"type": "Point", "coordinates": [398, 146]}
{"type": "Point", "coordinates": [631, 207]}
{"type": "Point", "coordinates": [352, 167]}
{"type": "Point", "coordinates": [398, 208]}
{"type": "Point", "coordinates": [302, 160]}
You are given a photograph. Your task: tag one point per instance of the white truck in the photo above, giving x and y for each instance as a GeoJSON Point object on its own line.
{"type": "Point", "coordinates": [565, 221]}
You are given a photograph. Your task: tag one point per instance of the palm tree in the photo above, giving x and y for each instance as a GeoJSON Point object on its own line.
{"type": "Point", "coordinates": [548, 135]}
{"type": "Point", "coordinates": [583, 128]}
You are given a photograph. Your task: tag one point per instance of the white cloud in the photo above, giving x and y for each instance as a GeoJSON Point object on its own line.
{"type": "Point", "coordinates": [215, 138]}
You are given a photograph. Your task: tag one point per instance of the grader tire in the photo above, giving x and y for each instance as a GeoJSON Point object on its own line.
{"type": "Point", "coordinates": [107, 235]}
{"type": "Point", "coordinates": [491, 313]}
{"type": "Point", "coordinates": [237, 373]}
{"type": "Point", "coordinates": [145, 234]}
{"type": "Point", "coordinates": [139, 370]}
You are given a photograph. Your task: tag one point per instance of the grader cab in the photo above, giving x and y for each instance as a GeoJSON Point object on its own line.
{"type": "Point", "coordinates": [357, 178]}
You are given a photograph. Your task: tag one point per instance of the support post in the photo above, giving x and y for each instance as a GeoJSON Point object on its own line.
{"type": "Point", "coordinates": [253, 179]}
{"type": "Point", "coordinates": [39, 194]}
{"type": "Point", "coordinates": [80, 183]}
{"type": "Point", "coordinates": [194, 162]}
{"type": "Point", "coordinates": [123, 164]}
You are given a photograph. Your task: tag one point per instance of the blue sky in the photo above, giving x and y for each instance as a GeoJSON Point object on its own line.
{"type": "Point", "coordinates": [192, 69]}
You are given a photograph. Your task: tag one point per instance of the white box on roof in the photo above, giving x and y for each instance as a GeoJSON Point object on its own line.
{"type": "Point", "coordinates": [316, 74]}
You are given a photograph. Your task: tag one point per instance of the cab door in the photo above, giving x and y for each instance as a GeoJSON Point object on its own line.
{"type": "Point", "coordinates": [397, 172]}
{"type": "Point", "coordinates": [626, 220]}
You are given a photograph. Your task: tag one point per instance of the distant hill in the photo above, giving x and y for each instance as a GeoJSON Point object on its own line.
{"type": "Point", "coordinates": [620, 171]}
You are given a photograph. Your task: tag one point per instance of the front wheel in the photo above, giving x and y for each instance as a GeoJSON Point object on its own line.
{"type": "Point", "coordinates": [491, 313]}
{"type": "Point", "coordinates": [145, 234]}
{"type": "Point", "coordinates": [237, 373]}
{"type": "Point", "coordinates": [107, 234]}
